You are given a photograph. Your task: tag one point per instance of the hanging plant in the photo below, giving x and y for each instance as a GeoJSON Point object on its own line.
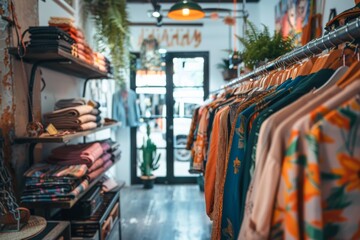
{"type": "Point", "coordinates": [260, 47]}
{"type": "Point", "coordinates": [112, 37]}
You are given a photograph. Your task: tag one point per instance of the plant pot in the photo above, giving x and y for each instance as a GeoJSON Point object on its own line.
{"type": "Point", "coordinates": [229, 74]}
{"type": "Point", "coordinates": [148, 181]}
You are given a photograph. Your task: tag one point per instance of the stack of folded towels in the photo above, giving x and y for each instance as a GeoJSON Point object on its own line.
{"type": "Point", "coordinates": [68, 171]}
{"type": "Point", "coordinates": [51, 38]}
{"type": "Point", "coordinates": [74, 114]}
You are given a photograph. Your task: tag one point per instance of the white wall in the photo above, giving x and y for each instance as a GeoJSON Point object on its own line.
{"type": "Point", "coordinates": [340, 6]}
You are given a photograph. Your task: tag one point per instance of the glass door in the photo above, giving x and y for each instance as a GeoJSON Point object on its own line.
{"type": "Point", "coordinates": [189, 89]}
{"type": "Point", "coordinates": [167, 100]}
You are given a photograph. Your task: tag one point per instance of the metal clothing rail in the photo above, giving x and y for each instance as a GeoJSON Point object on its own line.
{"type": "Point", "coordinates": [347, 33]}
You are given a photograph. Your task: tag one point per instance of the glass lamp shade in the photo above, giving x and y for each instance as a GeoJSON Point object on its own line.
{"type": "Point", "coordinates": [186, 10]}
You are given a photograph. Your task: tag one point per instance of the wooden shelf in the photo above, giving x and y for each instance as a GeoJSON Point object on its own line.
{"type": "Point", "coordinates": [66, 204]}
{"type": "Point", "coordinates": [46, 138]}
{"type": "Point", "coordinates": [61, 61]}
{"type": "Point", "coordinates": [54, 230]}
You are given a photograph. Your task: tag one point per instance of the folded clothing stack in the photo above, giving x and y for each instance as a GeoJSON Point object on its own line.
{"type": "Point", "coordinates": [85, 153]}
{"type": "Point", "coordinates": [100, 62]}
{"type": "Point", "coordinates": [67, 24]}
{"type": "Point", "coordinates": [68, 171]}
{"type": "Point", "coordinates": [74, 102]}
{"type": "Point", "coordinates": [78, 117]}
{"type": "Point", "coordinates": [49, 183]}
{"type": "Point", "coordinates": [50, 38]}
{"type": "Point", "coordinates": [97, 156]}
{"type": "Point", "coordinates": [112, 154]}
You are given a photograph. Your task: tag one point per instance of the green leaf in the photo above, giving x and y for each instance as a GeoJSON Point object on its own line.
{"type": "Point", "coordinates": [337, 199]}
{"type": "Point", "coordinates": [331, 230]}
{"type": "Point", "coordinates": [329, 176]}
{"type": "Point", "coordinates": [313, 232]}
{"type": "Point", "coordinates": [113, 35]}
{"type": "Point", "coordinates": [260, 46]}
{"type": "Point", "coordinates": [312, 144]}
{"type": "Point", "coordinates": [350, 115]}
{"type": "Point", "coordinates": [291, 150]}
{"type": "Point", "coordinates": [301, 160]}
{"type": "Point", "coordinates": [277, 232]}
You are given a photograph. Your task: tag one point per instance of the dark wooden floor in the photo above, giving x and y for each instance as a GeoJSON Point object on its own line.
{"type": "Point", "coordinates": [165, 212]}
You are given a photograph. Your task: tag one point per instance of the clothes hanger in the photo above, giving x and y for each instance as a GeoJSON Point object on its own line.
{"type": "Point", "coordinates": [288, 70]}
{"type": "Point", "coordinates": [348, 54]}
{"type": "Point", "coordinates": [290, 67]}
{"type": "Point", "coordinates": [269, 81]}
{"type": "Point", "coordinates": [266, 81]}
{"type": "Point", "coordinates": [262, 81]}
{"type": "Point", "coordinates": [327, 60]}
{"type": "Point", "coordinates": [353, 73]}
{"type": "Point", "coordinates": [297, 65]}
{"type": "Point", "coordinates": [306, 64]}
{"type": "Point", "coordinates": [283, 77]}
{"type": "Point", "coordinates": [275, 75]}
{"type": "Point", "coordinates": [242, 88]}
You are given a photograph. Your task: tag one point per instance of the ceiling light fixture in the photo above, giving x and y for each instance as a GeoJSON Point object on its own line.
{"type": "Point", "coordinates": [156, 12]}
{"type": "Point", "coordinates": [159, 21]}
{"type": "Point", "coordinates": [186, 10]}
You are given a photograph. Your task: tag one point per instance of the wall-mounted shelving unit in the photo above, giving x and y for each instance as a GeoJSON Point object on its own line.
{"type": "Point", "coordinates": [62, 61]}
{"type": "Point", "coordinates": [46, 138]}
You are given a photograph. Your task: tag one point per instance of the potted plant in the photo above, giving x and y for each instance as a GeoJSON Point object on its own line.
{"type": "Point", "coordinates": [229, 65]}
{"type": "Point", "coordinates": [260, 47]}
{"type": "Point", "coordinates": [150, 160]}
{"type": "Point", "coordinates": [113, 35]}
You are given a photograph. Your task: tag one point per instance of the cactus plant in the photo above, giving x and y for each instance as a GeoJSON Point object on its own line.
{"type": "Point", "coordinates": [150, 161]}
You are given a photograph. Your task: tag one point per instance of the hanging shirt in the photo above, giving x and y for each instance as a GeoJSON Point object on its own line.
{"type": "Point", "coordinates": [267, 182]}
{"type": "Point", "coordinates": [301, 86]}
{"type": "Point", "coordinates": [125, 108]}
{"type": "Point", "coordinates": [231, 219]}
{"type": "Point", "coordinates": [229, 216]}
{"type": "Point", "coordinates": [331, 181]}
{"type": "Point", "coordinates": [287, 202]}
{"type": "Point", "coordinates": [210, 172]}
{"type": "Point", "coordinates": [262, 147]}
{"type": "Point", "coordinates": [216, 229]}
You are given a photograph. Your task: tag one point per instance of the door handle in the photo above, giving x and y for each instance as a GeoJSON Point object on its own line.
{"type": "Point", "coordinates": [171, 127]}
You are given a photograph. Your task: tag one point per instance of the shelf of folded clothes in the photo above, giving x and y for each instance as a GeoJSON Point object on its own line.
{"type": "Point", "coordinates": [78, 168]}
{"type": "Point", "coordinates": [65, 136]}
{"type": "Point", "coordinates": [58, 59]}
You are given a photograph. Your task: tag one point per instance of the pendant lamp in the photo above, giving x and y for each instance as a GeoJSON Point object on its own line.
{"type": "Point", "coordinates": [186, 10]}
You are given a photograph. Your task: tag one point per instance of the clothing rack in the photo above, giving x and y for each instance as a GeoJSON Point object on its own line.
{"type": "Point", "coordinates": [347, 33]}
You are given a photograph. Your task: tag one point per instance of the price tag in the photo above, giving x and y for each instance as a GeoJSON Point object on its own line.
{"type": "Point", "coordinates": [51, 130]}
{"type": "Point", "coordinates": [91, 103]}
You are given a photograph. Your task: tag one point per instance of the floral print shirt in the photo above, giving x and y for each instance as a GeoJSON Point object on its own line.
{"type": "Point", "coordinates": [319, 192]}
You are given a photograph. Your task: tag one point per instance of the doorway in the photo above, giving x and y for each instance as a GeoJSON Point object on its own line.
{"type": "Point", "coordinates": [166, 101]}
